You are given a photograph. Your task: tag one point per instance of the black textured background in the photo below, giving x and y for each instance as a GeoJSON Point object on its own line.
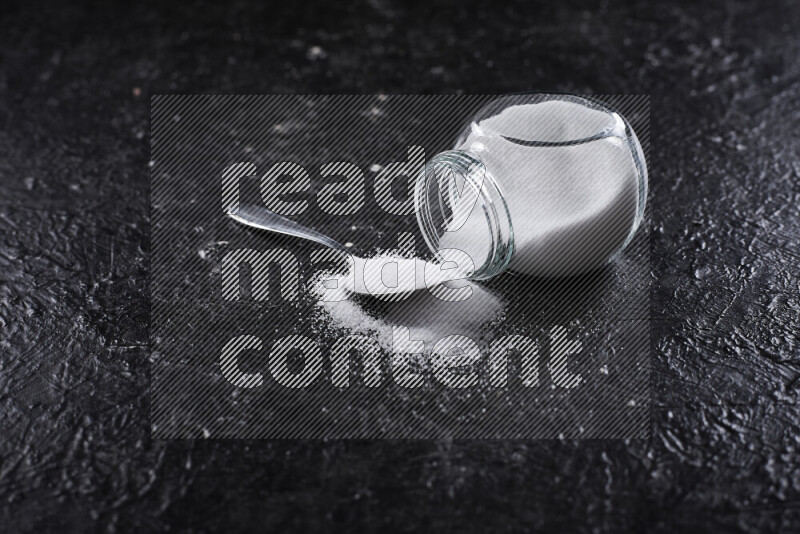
{"type": "Point", "coordinates": [75, 452]}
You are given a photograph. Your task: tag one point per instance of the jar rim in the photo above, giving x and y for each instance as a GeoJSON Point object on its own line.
{"type": "Point", "coordinates": [434, 219]}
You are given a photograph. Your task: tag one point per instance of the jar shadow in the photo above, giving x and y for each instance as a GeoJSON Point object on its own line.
{"type": "Point", "coordinates": [507, 304]}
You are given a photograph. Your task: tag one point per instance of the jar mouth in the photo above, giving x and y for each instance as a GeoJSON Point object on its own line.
{"type": "Point", "coordinates": [459, 205]}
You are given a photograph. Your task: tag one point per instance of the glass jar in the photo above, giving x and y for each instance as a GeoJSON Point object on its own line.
{"type": "Point", "coordinates": [538, 184]}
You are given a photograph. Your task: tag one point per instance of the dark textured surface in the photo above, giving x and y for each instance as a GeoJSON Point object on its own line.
{"type": "Point", "coordinates": [74, 257]}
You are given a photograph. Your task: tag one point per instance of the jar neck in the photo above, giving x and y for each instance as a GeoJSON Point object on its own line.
{"type": "Point", "coordinates": [456, 186]}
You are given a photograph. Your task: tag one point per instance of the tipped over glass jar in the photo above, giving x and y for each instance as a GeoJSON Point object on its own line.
{"type": "Point", "coordinates": [537, 184]}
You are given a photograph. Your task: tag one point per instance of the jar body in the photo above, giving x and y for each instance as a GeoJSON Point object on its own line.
{"type": "Point", "coordinates": [566, 175]}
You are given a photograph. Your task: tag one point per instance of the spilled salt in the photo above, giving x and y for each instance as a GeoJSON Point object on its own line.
{"type": "Point", "coordinates": [388, 276]}
{"type": "Point", "coordinates": [431, 307]}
